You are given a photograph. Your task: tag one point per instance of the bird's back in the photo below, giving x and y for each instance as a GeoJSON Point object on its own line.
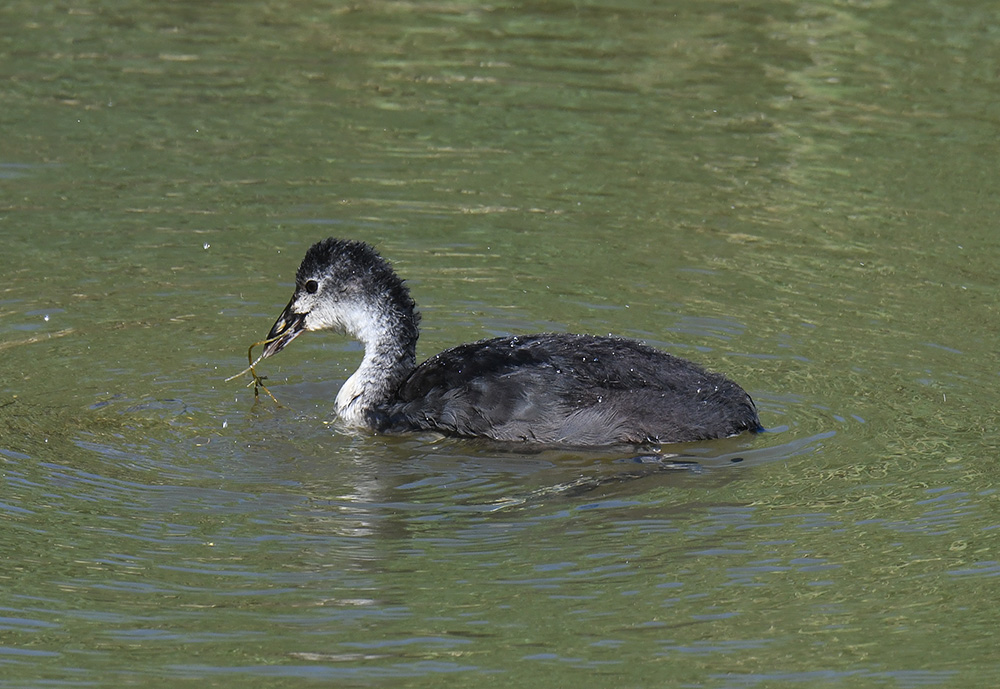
{"type": "Point", "coordinates": [567, 389]}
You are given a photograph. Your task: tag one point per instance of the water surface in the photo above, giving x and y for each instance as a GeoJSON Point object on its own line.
{"type": "Point", "coordinates": [802, 196]}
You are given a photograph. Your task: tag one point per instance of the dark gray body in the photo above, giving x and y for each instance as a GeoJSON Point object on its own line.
{"type": "Point", "coordinates": [567, 389]}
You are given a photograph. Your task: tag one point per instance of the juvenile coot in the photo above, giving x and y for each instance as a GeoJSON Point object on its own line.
{"type": "Point", "coordinates": [548, 389]}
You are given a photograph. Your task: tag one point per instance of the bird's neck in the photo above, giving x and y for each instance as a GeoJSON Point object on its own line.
{"type": "Point", "coordinates": [390, 356]}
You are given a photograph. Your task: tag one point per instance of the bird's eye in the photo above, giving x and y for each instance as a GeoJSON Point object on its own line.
{"type": "Point", "coordinates": [312, 286]}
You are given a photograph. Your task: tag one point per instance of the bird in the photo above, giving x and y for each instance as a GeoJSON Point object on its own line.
{"type": "Point", "coordinates": [549, 389]}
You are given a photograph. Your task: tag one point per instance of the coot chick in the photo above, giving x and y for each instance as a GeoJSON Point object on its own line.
{"type": "Point", "coordinates": [559, 389]}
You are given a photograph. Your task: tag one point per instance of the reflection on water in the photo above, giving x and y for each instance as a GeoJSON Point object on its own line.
{"type": "Point", "coordinates": [799, 196]}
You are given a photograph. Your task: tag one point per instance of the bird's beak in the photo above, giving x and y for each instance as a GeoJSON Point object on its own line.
{"type": "Point", "coordinates": [288, 326]}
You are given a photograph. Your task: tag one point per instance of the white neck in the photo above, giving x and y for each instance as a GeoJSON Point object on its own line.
{"type": "Point", "coordinates": [388, 360]}
{"type": "Point", "coordinates": [368, 387]}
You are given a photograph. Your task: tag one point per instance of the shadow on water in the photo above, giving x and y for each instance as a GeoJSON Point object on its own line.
{"type": "Point", "coordinates": [432, 473]}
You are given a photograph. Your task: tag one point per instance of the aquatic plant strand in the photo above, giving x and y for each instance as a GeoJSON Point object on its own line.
{"type": "Point", "coordinates": [258, 381]}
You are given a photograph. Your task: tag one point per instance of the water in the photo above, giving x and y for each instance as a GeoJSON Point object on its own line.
{"type": "Point", "coordinates": [802, 196]}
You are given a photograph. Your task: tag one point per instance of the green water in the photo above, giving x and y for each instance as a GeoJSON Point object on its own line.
{"type": "Point", "coordinates": [801, 195]}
